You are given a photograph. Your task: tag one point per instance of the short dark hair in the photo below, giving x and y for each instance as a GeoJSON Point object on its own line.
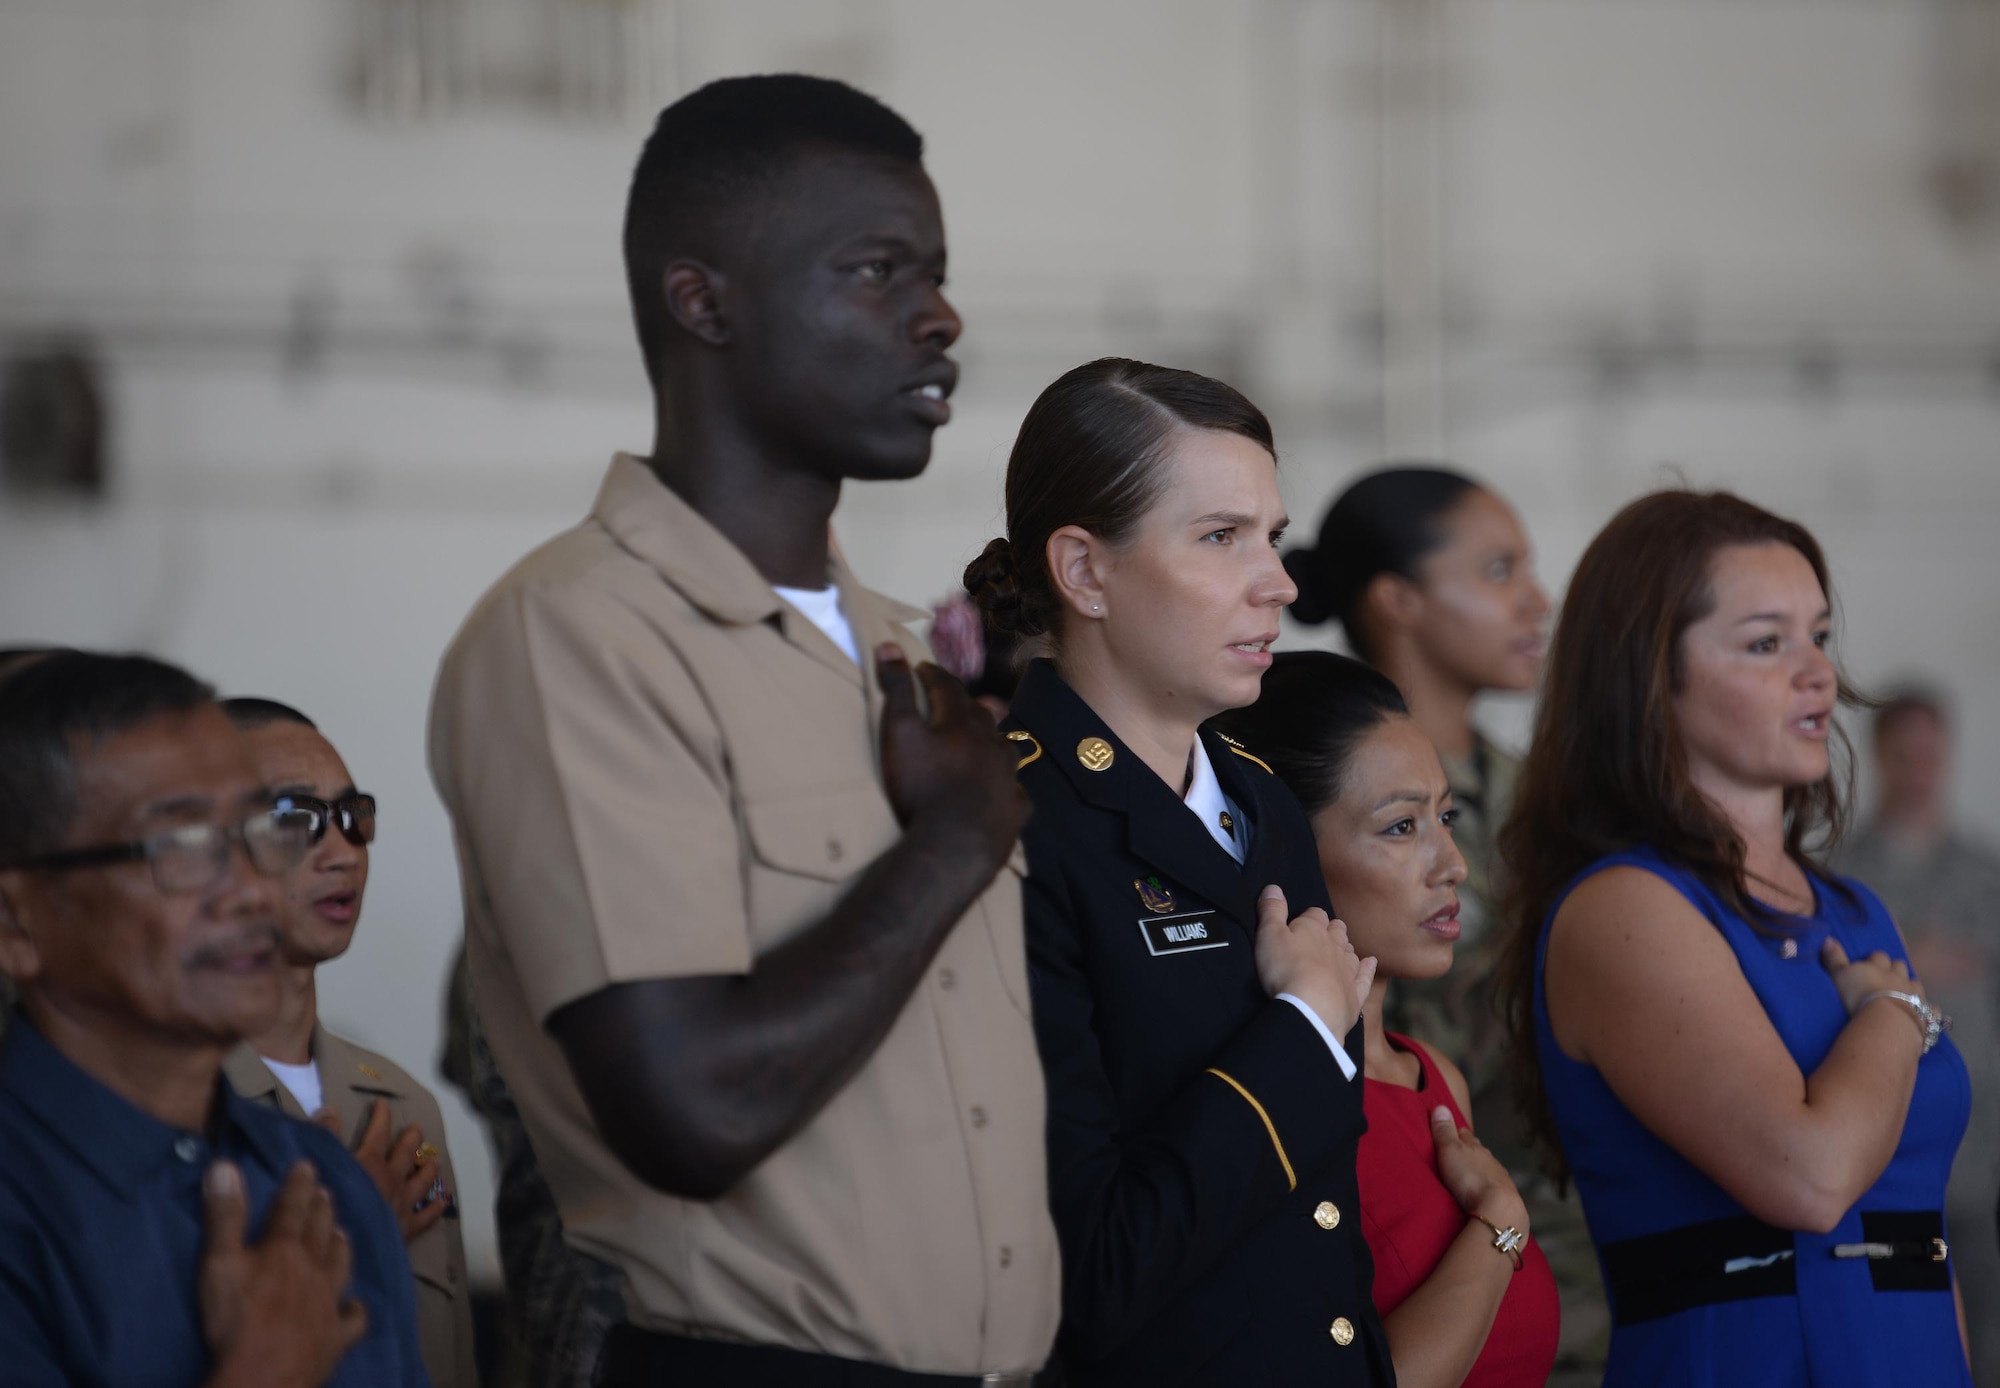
{"type": "Point", "coordinates": [1905, 700]}
{"type": "Point", "coordinates": [51, 703]}
{"type": "Point", "coordinates": [716, 147]}
{"type": "Point", "coordinates": [1314, 710]}
{"type": "Point", "coordinates": [13, 656]}
{"type": "Point", "coordinates": [247, 713]}
{"type": "Point", "coordinates": [1387, 522]}
{"type": "Point", "coordinates": [1089, 454]}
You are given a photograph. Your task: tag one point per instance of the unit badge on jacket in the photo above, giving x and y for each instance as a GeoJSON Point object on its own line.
{"type": "Point", "coordinates": [1154, 894]}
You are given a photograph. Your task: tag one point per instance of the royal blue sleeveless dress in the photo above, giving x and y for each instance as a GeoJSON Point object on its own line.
{"type": "Point", "coordinates": [1777, 1308]}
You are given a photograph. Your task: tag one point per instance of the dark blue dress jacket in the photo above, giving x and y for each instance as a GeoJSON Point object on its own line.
{"type": "Point", "coordinates": [1201, 1135]}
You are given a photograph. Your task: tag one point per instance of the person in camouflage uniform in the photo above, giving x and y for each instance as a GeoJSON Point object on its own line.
{"type": "Point", "coordinates": [1430, 577]}
{"type": "Point", "coordinates": [1940, 887]}
{"type": "Point", "coordinates": [561, 1304]}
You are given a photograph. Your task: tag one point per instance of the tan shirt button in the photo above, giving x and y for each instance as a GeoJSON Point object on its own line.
{"type": "Point", "coordinates": [978, 1116]}
{"type": "Point", "coordinates": [1006, 1256]}
{"type": "Point", "coordinates": [1327, 1215]}
{"type": "Point", "coordinates": [947, 979]}
{"type": "Point", "coordinates": [834, 850]}
{"type": "Point", "coordinates": [1343, 1331]}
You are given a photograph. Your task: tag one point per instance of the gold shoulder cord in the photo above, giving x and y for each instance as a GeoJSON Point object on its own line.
{"type": "Point", "coordinates": [1247, 757]}
{"type": "Point", "coordinates": [1019, 736]}
{"type": "Point", "coordinates": [1291, 1177]}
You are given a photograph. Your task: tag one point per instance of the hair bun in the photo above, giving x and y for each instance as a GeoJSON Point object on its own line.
{"type": "Point", "coordinates": [1311, 606]}
{"type": "Point", "coordinates": [993, 581]}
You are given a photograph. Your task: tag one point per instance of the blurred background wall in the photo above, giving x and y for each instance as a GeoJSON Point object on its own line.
{"type": "Point", "coordinates": [314, 321]}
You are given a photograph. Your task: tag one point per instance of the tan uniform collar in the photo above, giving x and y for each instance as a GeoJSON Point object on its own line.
{"type": "Point", "coordinates": [645, 516]}
{"type": "Point", "coordinates": [346, 1067]}
{"type": "Point", "coordinates": [247, 1074]}
{"type": "Point", "coordinates": [341, 1067]}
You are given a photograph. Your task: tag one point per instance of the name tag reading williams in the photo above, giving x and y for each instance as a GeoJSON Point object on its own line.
{"type": "Point", "coordinates": [1182, 934]}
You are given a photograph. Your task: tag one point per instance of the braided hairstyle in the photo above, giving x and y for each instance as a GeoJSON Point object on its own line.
{"type": "Point", "coordinates": [1090, 454]}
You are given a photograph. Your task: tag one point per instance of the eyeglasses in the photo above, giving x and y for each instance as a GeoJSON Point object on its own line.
{"type": "Point", "coordinates": [354, 815]}
{"type": "Point", "coordinates": [194, 857]}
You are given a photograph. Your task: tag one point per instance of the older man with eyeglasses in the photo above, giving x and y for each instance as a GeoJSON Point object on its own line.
{"type": "Point", "coordinates": [390, 1121]}
{"type": "Point", "coordinates": [155, 1227]}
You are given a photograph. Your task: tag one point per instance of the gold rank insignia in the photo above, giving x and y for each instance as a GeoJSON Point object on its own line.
{"type": "Point", "coordinates": [369, 1070]}
{"type": "Point", "coordinates": [1095, 754]}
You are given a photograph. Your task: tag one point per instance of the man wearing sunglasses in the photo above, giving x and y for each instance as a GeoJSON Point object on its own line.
{"type": "Point", "coordinates": [389, 1121]}
{"type": "Point", "coordinates": [139, 858]}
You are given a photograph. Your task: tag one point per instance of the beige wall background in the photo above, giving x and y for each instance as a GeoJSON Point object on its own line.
{"type": "Point", "coordinates": [360, 315]}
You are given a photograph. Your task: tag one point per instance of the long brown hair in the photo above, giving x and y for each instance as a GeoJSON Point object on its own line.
{"type": "Point", "coordinates": [1607, 770]}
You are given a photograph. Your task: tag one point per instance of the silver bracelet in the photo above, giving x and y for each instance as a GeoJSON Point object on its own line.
{"type": "Point", "coordinates": [1932, 1022]}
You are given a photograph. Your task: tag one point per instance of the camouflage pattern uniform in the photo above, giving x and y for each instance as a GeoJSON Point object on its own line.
{"type": "Point", "coordinates": [561, 1304]}
{"type": "Point", "coordinates": [1461, 1015]}
{"type": "Point", "coordinates": [1942, 899]}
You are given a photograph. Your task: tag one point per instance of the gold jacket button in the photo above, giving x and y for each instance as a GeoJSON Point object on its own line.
{"type": "Point", "coordinates": [1343, 1331]}
{"type": "Point", "coordinates": [1327, 1215]}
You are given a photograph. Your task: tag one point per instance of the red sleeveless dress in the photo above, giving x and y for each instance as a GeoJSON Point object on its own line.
{"type": "Point", "coordinates": [1410, 1219]}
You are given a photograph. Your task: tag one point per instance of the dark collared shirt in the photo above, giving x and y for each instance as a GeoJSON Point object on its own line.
{"type": "Point", "coordinates": [101, 1231]}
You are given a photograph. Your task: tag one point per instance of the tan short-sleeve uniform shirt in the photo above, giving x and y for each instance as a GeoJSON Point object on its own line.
{"type": "Point", "coordinates": [655, 768]}
{"type": "Point", "coordinates": [351, 1080]}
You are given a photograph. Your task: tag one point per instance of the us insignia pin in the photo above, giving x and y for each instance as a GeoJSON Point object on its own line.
{"type": "Point", "coordinates": [1154, 895]}
{"type": "Point", "coordinates": [1095, 754]}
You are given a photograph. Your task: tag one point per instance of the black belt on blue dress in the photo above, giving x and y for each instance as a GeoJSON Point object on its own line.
{"type": "Point", "coordinates": [1735, 1259]}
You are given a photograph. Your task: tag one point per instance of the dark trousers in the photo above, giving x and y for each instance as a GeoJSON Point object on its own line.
{"type": "Point", "coordinates": [635, 1358]}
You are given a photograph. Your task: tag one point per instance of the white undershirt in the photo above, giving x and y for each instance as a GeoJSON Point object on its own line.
{"type": "Point", "coordinates": [1205, 798]}
{"type": "Point", "coordinates": [302, 1080]}
{"type": "Point", "coordinates": [821, 607]}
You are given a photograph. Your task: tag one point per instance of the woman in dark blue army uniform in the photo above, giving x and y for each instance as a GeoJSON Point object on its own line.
{"type": "Point", "coordinates": [1200, 1042]}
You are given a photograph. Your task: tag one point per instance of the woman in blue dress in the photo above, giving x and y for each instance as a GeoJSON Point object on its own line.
{"type": "Point", "coordinates": [1721, 1041]}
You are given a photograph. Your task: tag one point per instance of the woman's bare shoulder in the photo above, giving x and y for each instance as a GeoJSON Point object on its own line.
{"type": "Point", "coordinates": [1624, 905]}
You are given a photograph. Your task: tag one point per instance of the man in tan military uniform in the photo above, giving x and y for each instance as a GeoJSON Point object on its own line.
{"type": "Point", "coordinates": [743, 937]}
{"type": "Point", "coordinates": [390, 1122]}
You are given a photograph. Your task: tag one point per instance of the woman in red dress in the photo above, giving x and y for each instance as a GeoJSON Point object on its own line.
{"type": "Point", "coordinates": [1465, 1293]}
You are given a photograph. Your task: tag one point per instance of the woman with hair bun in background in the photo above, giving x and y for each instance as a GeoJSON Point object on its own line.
{"type": "Point", "coordinates": [1196, 1009]}
{"type": "Point", "coordinates": [1431, 577]}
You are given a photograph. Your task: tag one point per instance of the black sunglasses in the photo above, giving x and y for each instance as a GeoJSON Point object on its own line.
{"type": "Point", "coordinates": [353, 814]}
